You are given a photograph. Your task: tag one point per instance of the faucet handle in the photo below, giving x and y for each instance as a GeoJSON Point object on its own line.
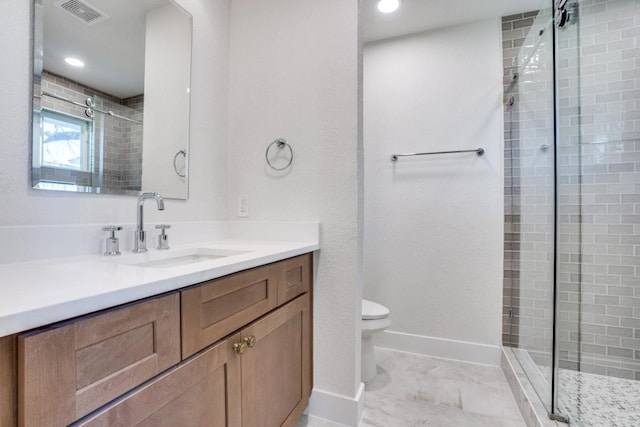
{"type": "Point", "coordinates": [112, 243]}
{"type": "Point", "coordinates": [163, 239]}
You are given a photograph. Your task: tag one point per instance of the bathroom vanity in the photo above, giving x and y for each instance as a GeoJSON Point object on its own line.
{"type": "Point", "coordinates": [232, 349]}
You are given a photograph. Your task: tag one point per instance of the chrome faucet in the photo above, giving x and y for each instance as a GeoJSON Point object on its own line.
{"type": "Point", "coordinates": [140, 242]}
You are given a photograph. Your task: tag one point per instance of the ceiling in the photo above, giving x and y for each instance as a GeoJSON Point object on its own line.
{"type": "Point", "coordinates": [415, 16]}
{"type": "Point", "coordinates": [112, 49]}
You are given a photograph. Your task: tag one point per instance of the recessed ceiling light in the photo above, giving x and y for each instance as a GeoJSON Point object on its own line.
{"type": "Point", "coordinates": [74, 61]}
{"type": "Point", "coordinates": [388, 6]}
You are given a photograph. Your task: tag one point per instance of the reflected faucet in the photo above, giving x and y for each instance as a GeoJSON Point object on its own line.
{"type": "Point", "coordinates": [140, 242]}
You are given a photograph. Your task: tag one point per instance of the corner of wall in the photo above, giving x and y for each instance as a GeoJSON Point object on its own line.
{"type": "Point", "coordinates": [340, 409]}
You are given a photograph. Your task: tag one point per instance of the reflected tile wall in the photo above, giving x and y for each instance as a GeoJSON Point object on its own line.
{"type": "Point", "coordinates": [118, 146]}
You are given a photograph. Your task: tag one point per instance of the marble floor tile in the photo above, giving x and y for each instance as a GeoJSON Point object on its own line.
{"type": "Point", "coordinates": [414, 390]}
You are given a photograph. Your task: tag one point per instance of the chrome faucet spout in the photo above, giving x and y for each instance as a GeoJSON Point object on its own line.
{"type": "Point", "coordinates": [140, 242]}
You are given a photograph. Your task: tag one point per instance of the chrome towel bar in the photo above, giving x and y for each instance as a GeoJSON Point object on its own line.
{"type": "Point", "coordinates": [478, 151]}
{"type": "Point", "coordinates": [89, 107]}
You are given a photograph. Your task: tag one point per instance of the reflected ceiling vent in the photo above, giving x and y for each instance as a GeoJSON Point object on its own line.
{"type": "Point", "coordinates": [82, 11]}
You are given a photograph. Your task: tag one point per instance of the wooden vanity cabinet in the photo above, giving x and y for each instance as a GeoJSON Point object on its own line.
{"type": "Point", "coordinates": [216, 308]}
{"type": "Point", "coordinates": [276, 349]}
{"type": "Point", "coordinates": [9, 380]}
{"type": "Point", "coordinates": [230, 352]}
{"type": "Point", "coordinates": [267, 385]}
{"type": "Point", "coordinates": [202, 391]}
{"type": "Point", "coordinates": [277, 370]}
{"type": "Point", "coordinates": [71, 369]}
{"type": "Point", "coordinates": [296, 278]}
{"type": "Point", "coordinates": [213, 309]}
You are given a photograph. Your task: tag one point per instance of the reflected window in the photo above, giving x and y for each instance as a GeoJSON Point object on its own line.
{"type": "Point", "coordinates": [65, 141]}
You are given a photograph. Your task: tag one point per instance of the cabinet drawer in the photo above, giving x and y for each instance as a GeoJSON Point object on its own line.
{"type": "Point", "coordinates": [295, 278]}
{"type": "Point", "coordinates": [202, 391]}
{"type": "Point", "coordinates": [70, 369]}
{"type": "Point", "coordinates": [218, 307]}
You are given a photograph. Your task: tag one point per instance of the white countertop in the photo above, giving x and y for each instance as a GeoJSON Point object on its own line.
{"type": "Point", "coordinates": [38, 293]}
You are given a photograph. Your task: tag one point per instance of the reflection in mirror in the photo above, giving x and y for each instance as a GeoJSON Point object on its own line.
{"type": "Point", "coordinates": [119, 124]}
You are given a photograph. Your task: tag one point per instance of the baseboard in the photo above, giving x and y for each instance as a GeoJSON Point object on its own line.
{"type": "Point", "coordinates": [439, 347]}
{"type": "Point", "coordinates": [337, 408]}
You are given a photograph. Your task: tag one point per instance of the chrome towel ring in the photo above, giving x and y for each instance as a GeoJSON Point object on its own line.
{"type": "Point", "coordinates": [280, 143]}
{"type": "Point", "coordinates": [175, 168]}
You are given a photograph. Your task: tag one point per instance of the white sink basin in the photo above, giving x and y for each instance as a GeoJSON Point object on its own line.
{"type": "Point", "coordinates": [176, 258]}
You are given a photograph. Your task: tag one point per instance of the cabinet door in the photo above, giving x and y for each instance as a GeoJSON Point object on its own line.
{"type": "Point", "coordinates": [216, 308]}
{"type": "Point", "coordinates": [8, 381]}
{"type": "Point", "coordinates": [276, 371]}
{"type": "Point", "coordinates": [202, 391]}
{"type": "Point", "coordinates": [295, 278]}
{"type": "Point", "coordinates": [71, 369]}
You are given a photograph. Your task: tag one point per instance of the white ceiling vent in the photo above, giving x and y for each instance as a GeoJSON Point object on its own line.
{"type": "Point", "coordinates": [82, 11]}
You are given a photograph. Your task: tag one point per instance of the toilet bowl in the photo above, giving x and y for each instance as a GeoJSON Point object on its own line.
{"type": "Point", "coordinates": [375, 318]}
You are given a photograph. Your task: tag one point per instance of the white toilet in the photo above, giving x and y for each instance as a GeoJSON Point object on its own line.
{"type": "Point", "coordinates": [375, 318]}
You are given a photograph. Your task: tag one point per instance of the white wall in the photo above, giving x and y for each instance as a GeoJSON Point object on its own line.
{"type": "Point", "coordinates": [294, 74]}
{"type": "Point", "coordinates": [20, 205]}
{"type": "Point", "coordinates": [433, 225]}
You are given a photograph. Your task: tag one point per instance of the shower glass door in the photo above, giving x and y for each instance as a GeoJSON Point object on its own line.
{"type": "Point", "coordinates": [529, 143]}
{"type": "Point", "coordinates": [572, 238]}
{"type": "Point", "coordinates": [598, 221]}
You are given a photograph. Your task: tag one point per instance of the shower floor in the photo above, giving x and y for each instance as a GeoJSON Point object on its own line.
{"type": "Point", "coordinates": [597, 400]}
{"type": "Point", "coordinates": [590, 400]}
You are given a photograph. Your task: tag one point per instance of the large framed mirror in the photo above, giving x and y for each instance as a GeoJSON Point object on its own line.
{"type": "Point", "coordinates": [111, 96]}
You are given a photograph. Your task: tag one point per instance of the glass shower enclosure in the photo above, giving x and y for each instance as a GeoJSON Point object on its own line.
{"type": "Point", "coordinates": [572, 210]}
